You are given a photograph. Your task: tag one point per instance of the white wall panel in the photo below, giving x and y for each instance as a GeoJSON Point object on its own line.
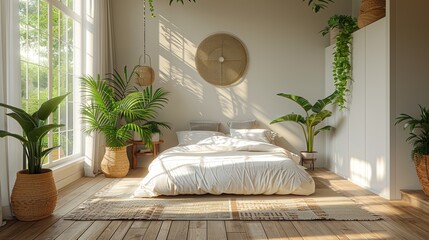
{"type": "Point", "coordinates": [377, 107]}
{"type": "Point", "coordinates": [358, 165]}
{"type": "Point", "coordinates": [360, 144]}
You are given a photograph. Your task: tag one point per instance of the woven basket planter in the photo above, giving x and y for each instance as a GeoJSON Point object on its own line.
{"type": "Point", "coordinates": [115, 163]}
{"type": "Point", "coordinates": [34, 196]}
{"type": "Point", "coordinates": [422, 169]}
{"type": "Point", "coordinates": [371, 11]}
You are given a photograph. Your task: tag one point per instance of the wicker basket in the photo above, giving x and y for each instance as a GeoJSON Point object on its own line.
{"type": "Point", "coordinates": [34, 196]}
{"type": "Point", "coordinates": [115, 163]}
{"type": "Point", "coordinates": [422, 168]}
{"type": "Point", "coordinates": [371, 11]}
{"type": "Point", "coordinates": [145, 75]}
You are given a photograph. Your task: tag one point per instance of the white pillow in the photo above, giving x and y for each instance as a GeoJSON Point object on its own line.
{"type": "Point", "coordinates": [251, 134]}
{"type": "Point", "coordinates": [241, 124]}
{"type": "Point", "coordinates": [204, 126]}
{"type": "Point", "coordinates": [193, 137]}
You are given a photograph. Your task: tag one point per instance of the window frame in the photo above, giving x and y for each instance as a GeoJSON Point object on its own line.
{"type": "Point", "coordinates": [79, 66]}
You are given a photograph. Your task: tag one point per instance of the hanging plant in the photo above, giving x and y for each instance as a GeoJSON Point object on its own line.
{"type": "Point", "coordinates": [342, 63]}
{"type": "Point", "coordinates": [317, 5]}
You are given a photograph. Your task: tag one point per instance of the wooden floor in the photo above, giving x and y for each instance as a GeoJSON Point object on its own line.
{"type": "Point", "coordinates": [401, 221]}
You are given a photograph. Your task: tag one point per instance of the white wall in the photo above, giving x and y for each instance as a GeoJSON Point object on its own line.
{"type": "Point", "coordinates": [410, 83]}
{"type": "Point", "coordinates": [286, 54]}
{"type": "Point", "coordinates": [356, 7]}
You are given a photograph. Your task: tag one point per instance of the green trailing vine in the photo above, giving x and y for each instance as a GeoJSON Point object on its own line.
{"type": "Point", "coordinates": [342, 67]}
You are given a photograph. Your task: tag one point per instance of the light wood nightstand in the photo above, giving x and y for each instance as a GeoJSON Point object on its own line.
{"type": "Point", "coordinates": [154, 152]}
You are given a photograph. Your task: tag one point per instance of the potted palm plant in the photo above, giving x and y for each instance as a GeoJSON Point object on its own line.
{"type": "Point", "coordinates": [116, 111]}
{"type": "Point", "coordinates": [34, 194]}
{"type": "Point", "coordinates": [314, 115]}
{"type": "Point", "coordinates": [125, 84]}
{"type": "Point", "coordinates": [419, 136]}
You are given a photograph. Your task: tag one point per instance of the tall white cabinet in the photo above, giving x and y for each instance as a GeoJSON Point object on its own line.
{"type": "Point", "coordinates": [359, 147]}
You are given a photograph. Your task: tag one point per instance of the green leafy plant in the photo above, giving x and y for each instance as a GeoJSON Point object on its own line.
{"type": "Point", "coordinates": [317, 5]}
{"type": "Point", "coordinates": [152, 9]}
{"type": "Point", "coordinates": [125, 84]}
{"type": "Point", "coordinates": [35, 127]}
{"type": "Point", "coordinates": [116, 111]}
{"type": "Point", "coordinates": [418, 129]}
{"type": "Point", "coordinates": [314, 115]}
{"type": "Point", "coordinates": [342, 64]}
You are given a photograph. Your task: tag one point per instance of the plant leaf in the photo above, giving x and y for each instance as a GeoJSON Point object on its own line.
{"type": "Point", "coordinates": [304, 103]}
{"type": "Point", "coordinates": [321, 104]}
{"type": "Point", "coordinates": [38, 133]}
{"type": "Point", "coordinates": [19, 137]}
{"type": "Point", "coordinates": [325, 128]}
{"type": "Point", "coordinates": [291, 118]}
{"type": "Point", "coordinates": [49, 150]}
{"type": "Point", "coordinates": [316, 118]}
{"type": "Point", "coordinates": [49, 107]}
{"type": "Point", "coordinates": [22, 114]}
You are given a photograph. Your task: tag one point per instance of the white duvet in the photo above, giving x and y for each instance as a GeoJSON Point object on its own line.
{"type": "Point", "coordinates": [220, 165]}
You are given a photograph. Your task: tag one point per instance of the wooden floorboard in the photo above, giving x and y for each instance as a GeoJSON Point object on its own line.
{"type": "Point", "coordinates": [400, 220]}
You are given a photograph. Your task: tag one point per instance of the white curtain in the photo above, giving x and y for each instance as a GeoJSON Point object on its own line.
{"type": "Point", "coordinates": [103, 64]}
{"type": "Point", "coordinates": [2, 125]}
{"type": "Point", "coordinates": [9, 80]}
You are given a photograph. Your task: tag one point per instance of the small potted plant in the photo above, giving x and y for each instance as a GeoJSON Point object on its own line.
{"type": "Point", "coordinates": [314, 115]}
{"type": "Point", "coordinates": [34, 195]}
{"type": "Point", "coordinates": [342, 65]}
{"type": "Point", "coordinates": [114, 109]}
{"type": "Point", "coordinates": [418, 129]}
{"type": "Point", "coordinates": [154, 128]}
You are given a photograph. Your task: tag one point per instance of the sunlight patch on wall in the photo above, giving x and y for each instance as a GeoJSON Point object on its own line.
{"type": "Point", "coordinates": [381, 176]}
{"type": "Point", "coordinates": [359, 171]}
{"type": "Point", "coordinates": [175, 75]}
{"type": "Point", "coordinates": [176, 44]}
{"type": "Point", "coordinates": [233, 100]}
{"type": "Point", "coordinates": [339, 161]}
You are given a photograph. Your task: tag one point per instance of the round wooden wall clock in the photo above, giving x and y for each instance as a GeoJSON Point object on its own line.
{"type": "Point", "coordinates": [221, 59]}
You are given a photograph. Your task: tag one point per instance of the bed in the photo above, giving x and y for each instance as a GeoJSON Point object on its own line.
{"type": "Point", "coordinates": [225, 165]}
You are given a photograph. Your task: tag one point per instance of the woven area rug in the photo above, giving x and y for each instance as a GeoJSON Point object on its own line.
{"type": "Point", "coordinates": [115, 202]}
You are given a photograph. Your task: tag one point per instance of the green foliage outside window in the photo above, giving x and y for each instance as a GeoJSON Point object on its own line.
{"type": "Point", "coordinates": [34, 44]}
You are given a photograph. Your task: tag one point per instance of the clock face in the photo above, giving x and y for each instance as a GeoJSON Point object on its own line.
{"type": "Point", "coordinates": [221, 59]}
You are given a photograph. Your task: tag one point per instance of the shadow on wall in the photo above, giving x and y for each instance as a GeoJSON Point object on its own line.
{"type": "Point", "coordinates": [177, 70]}
{"type": "Point", "coordinates": [194, 99]}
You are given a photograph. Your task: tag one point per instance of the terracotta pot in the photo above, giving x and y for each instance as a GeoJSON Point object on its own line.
{"type": "Point", "coordinates": [422, 169]}
{"type": "Point", "coordinates": [34, 196]}
{"type": "Point", "coordinates": [115, 163]}
{"type": "Point", "coordinates": [371, 11]}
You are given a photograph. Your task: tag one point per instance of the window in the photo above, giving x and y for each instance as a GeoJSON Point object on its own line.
{"type": "Point", "coordinates": [50, 40]}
